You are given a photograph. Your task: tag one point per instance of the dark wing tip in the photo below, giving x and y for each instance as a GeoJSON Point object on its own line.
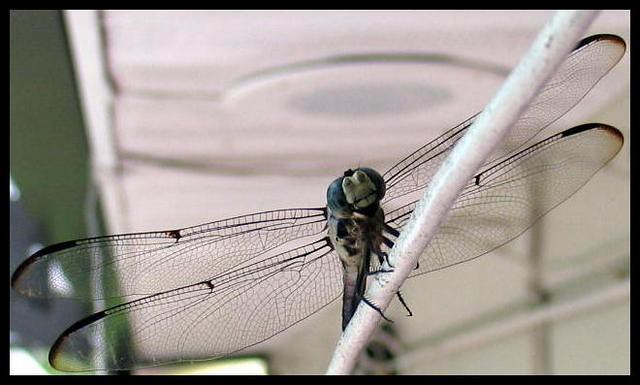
{"type": "Point", "coordinates": [22, 271]}
{"type": "Point", "coordinates": [590, 126]}
{"type": "Point", "coordinates": [614, 39]}
{"type": "Point", "coordinates": [59, 353]}
{"type": "Point", "coordinates": [55, 355]}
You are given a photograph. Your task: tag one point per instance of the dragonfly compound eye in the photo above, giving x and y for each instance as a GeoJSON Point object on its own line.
{"type": "Point", "coordinates": [336, 200]}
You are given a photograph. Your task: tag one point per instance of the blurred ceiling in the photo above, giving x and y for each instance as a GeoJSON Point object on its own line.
{"type": "Point", "coordinates": [217, 114]}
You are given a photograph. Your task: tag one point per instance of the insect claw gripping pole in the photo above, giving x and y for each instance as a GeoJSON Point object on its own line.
{"type": "Point", "coordinates": [376, 308]}
{"type": "Point", "coordinates": [402, 301]}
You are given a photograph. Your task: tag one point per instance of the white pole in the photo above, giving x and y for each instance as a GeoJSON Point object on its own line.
{"type": "Point", "coordinates": [558, 37]}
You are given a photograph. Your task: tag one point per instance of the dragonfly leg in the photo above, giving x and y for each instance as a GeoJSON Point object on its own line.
{"type": "Point", "coordinates": [382, 256]}
{"type": "Point", "coordinates": [391, 230]}
{"type": "Point", "coordinates": [376, 272]}
{"type": "Point", "coordinates": [374, 307]}
{"type": "Point", "coordinates": [388, 242]}
{"type": "Point", "coordinates": [404, 304]}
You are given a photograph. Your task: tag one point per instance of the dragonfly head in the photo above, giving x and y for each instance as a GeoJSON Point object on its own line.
{"type": "Point", "coordinates": [357, 190]}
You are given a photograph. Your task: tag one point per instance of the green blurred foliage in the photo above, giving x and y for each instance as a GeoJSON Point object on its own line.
{"type": "Point", "coordinates": [48, 149]}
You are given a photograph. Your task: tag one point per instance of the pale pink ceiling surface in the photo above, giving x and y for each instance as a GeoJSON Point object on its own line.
{"type": "Point", "coordinates": [223, 113]}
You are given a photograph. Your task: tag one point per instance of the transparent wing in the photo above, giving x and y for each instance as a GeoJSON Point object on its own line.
{"type": "Point", "coordinates": [584, 67]}
{"type": "Point", "coordinates": [509, 195]}
{"type": "Point", "coordinates": [141, 264]}
{"type": "Point", "coordinates": [236, 308]}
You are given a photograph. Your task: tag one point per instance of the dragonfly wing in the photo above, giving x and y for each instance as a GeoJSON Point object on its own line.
{"type": "Point", "coordinates": [583, 68]}
{"type": "Point", "coordinates": [509, 195]}
{"type": "Point", "coordinates": [240, 307]}
{"type": "Point", "coordinates": [141, 264]}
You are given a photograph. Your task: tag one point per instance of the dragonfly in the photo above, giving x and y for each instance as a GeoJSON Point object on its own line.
{"type": "Point", "coordinates": [211, 290]}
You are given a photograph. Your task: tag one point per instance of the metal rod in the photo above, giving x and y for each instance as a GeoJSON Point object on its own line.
{"type": "Point", "coordinates": [550, 48]}
{"type": "Point", "coordinates": [541, 334]}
